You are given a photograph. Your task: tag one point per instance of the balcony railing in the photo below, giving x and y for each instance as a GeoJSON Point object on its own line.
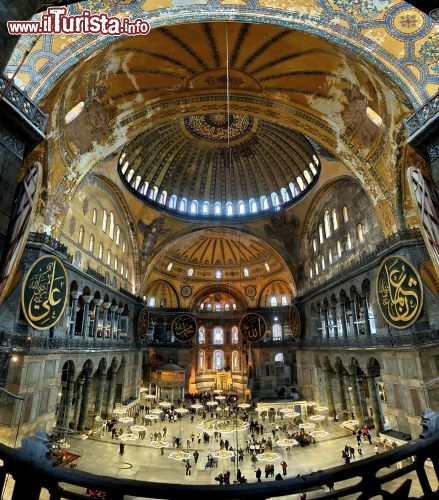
{"type": "Point", "coordinates": [422, 115]}
{"type": "Point", "coordinates": [363, 341]}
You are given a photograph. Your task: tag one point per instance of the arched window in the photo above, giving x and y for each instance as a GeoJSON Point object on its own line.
{"type": "Point", "coordinates": [330, 256]}
{"type": "Point", "coordinates": [246, 272]}
{"type": "Point", "coordinates": [360, 233]}
{"type": "Point", "coordinates": [217, 208]}
{"type": "Point", "coordinates": [264, 202]}
{"type": "Point", "coordinates": [91, 243]}
{"type": "Point", "coordinates": [201, 335]}
{"type": "Point", "coordinates": [218, 335]}
{"type": "Point", "coordinates": [300, 183]}
{"type": "Point", "coordinates": [109, 257]}
{"type": "Point", "coordinates": [151, 302]}
{"type": "Point", "coordinates": [115, 263]}
{"type": "Point", "coordinates": [241, 207]}
{"type": "Point", "coordinates": [235, 361]}
{"type": "Point", "coordinates": [137, 182]}
{"type": "Point", "coordinates": [323, 263]}
{"type": "Point", "coordinates": [162, 198]}
{"type": "Point", "coordinates": [104, 221]}
{"type": "Point", "coordinates": [111, 234]}
{"type": "Point", "coordinates": [183, 205]}
{"type": "Point", "coordinates": [95, 216]}
{"type": "Point", "coordinates": [293, 189]}
{"type": "Point", "coordinates": [252, 205]}
{"type": "Point", "coordinates": [284, 194]}
{"type": "Point", "coordinates": [339, 248]}
{"type": "Point", "coordinates": [81, 235]}
{"type": "Point", "coordinates": [284, 300]}
{"type": "Point", "coordinates": [235, 335]}
{"type": "Point", "coordinates": [307, 176]}
{"type": "Point", "coordinates": [277, 332]}
{"type": "Point", "coordinates": [218, 274]}
{"type": "Point", "coordinates": [273, 301]}
{"type": "Point", "coordinates": [218, 360]}
{"type": "Point", "coordinates": [117, 235]}
{"type": "Point", "coordinates": [101, 251]}
{"type": "Point", "coordinates": [334, 219]}
{"type": "Point", "coordinates": [320, 233]}
{"type": "Point", "coordinates": [345, 214]}
{"type": "Point", "coordinates": [348, 242]}
{"type": "Point", "coordinates": [205, 208]}
{"type": "Point", "coordinates": [275, 199]}
{"type": "Point", "coordinates": [327, 220]}
{"type": "Point", "coordinates": [194, 207]}
{"type": "Point", "coordinates": [190, 272]}
{"type": "Point", "coordinates": [229, 208]}
{"type": "Point", "coordinates": [153, 193]}
{"type": "Point", "coordinates": [314, 244]}
{"type": "Point", "coordinates": [173, 202]}
{"type": "Point", "coordinates": [201, 361]}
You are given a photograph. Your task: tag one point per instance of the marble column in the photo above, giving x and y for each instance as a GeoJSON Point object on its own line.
{"type": "Point", "coordinates": [358, 409]}
{"type": "Point", "coordinates": [366, 316]}
{"type": "Point", "coordinates": [378, 417]}
{"type": "Point", "coordinates": [83, 414]}
{"type": "Point", "coordinates": [97, 303]}
{"type": "Point", "coordinates": [343, 319]}
{"type": "Point", "coordinates": [111, 394]}
{"type": "Point", "coordinates": [100, 393]}
{"type": "Point", "coordinates": [119, 316]}
{"type": "Point", "coordinates": [67, 400]}
{"type": "Point", "coordinates": [327, 375]}
{"type": "Point", "coordinates": [113, 321]}
{"type": "Point", "coordinates": [79, 386]}
{"type": "Point", "coordinates": [341, 393]}
{"type": "Point", "coordinates": [106, 306]}
{"type": "Point", "coordinates": [86, 316]}
{"type": "Point", "coordinates": [73, 312]}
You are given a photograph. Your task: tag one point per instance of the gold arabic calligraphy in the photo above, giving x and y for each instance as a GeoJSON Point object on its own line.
{"type": "Point", "coordinates": [44, 293]}
{"type": "Point", "coordinates": [399, 292]}
{"type": "Point", "coordinates": [184, 327]}
{"type": "Point", "coordinates": [253, 327]}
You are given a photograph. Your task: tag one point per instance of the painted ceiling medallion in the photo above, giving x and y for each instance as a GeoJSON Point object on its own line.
{"type": "Point", "coordinates": [219, 127]}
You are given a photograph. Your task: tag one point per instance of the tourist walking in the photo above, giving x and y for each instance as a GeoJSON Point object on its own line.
{"type": "Point", "coordinates": [258, 474]}
{"type": "Point", "coordinates": [121, 449]}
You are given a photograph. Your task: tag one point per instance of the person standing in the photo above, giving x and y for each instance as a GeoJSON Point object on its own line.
{"type": "Point", "coordinates": [188, 468]}
{"type": "Point", "coordinates": [196, 455]}
{"type": "Point", "coordinates": [121, 449]}
{"type": "Point", "coordinates": [284, 466]}
{"type": "Point", "coordinates": [258, 474]}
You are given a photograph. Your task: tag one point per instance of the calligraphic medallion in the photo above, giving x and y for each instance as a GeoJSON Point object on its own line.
{"type": "Point", "coordinates": [252, 327]}
{"type": "Point", "coordinates": [295, 322]}
{"type": "Point", "coordinates": [399, 292]}
{"type": "Point", "coordinates": [184, 327]}
{"type": "Point", "coordinates": [143, 324]}
{"type": "Point", "coordinates": [44, 292]}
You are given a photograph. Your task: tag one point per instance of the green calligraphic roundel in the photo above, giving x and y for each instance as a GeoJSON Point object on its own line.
{"type": "Point", "coordinates": [44, 292]}
{"type": "Point", "coordinates": [399, 292]}
{"type": "Point", "coordinates": [252, 327]}
{"type": "Point", "coordinates": [184, 327]}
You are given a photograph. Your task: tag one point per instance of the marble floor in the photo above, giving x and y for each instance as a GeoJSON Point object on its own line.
{"type": "Point", "coordinates": [100, 455]}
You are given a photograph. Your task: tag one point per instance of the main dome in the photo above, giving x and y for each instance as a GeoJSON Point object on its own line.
{"type": "Point", "coordinates": [219, 166]}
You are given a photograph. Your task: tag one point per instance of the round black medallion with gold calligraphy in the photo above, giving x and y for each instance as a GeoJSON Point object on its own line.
{"type": "Point", "coordinates": [143, 324]}
{"type": "Point", "coordinates": [295, 323]}
{"type": "Point", "coordinates": [252, 327]}
{"type": "Point", "coordinates": [44, 292]}
{"type": "Point", "coordinates": [184, 327]}
{"type": "Point", "coordinates": [399, 292]}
